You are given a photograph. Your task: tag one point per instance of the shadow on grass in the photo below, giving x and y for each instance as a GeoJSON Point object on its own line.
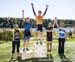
{"type": "Point", "coordinates": [64, 58]}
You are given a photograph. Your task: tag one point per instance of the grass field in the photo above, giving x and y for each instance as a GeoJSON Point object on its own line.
{"type": "Point", "coordinates": [5, 49]}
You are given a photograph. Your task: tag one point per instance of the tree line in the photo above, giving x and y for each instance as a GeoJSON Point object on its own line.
{"type": "Point", "coordinates": [5, 23]}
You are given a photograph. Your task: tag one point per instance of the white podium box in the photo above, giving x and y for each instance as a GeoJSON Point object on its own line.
{"type": "Point", "coordinates": [40, 51]}
{"type": "Point", "coordinates": [37, 51]}
{"type": "Point", "coordinates": [26, 55]}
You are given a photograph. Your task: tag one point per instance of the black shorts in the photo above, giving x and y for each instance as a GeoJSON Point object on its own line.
{"type": "Point", "coordinates": [39, 27]}
{"type": "Point", "coordinates": [27, 33]}
{"type": "Point", "coordinates": [15, 45]}
{"type": "Point", "coordinates": [49, 39]}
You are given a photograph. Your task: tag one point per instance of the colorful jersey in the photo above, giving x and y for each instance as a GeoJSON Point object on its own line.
{"type": "Point", "coordinates": [61, 33]}
{"type": "Point", "coordinates": [49, 32]}
{"type": "Point", "coordinates": [27, 26]}
{"type": "Point", "coordinates": [39, 19]}
{"type": "Point", "coordinates": [16, 34]}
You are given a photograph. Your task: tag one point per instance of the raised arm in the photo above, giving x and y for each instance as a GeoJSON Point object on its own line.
{"type": "Point", "coordinates": [33, 8]}
{"type": "Point", "coordinates": [55, 23]}
{"type": "Point", "coordinates": [9, 21]}
{"type": "Point", "coordinates": [45, 10]}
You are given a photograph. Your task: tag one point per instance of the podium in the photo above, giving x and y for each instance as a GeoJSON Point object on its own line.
{"type": "Point", "coordinates": [26, 55]}
{"type": "Point", "coordinates": [40, 51]}
{"type": "Point", "coordinates": [37, 51]}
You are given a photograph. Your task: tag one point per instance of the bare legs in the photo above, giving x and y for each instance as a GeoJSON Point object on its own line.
{"type": "Point", "coordinates": [39, 37]}
{"type": "Point", "coordinates": [25, 44]}
{"type": "Point", "coordinates": [49, 46]}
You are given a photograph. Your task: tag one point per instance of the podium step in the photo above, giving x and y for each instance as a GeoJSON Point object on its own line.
{"type": "Point", "coordinates": [40, 51]}
{"type": "Point", "coordinates": [27, 54]}
{"type": "Point", "coordinates": [37, 51]}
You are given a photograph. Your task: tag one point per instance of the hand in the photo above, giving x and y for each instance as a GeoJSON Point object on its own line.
{"type": "Point", "coordinates": [46, 5]}
{"type": "Point", "coordinates": [8, 18]}
{"type": "Point", "coordinates": [55, 20]}
{"type": "Point", "coordinates": [32, 4]}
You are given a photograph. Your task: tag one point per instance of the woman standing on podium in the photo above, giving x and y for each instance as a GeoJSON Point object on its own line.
{"type": "Point", "coordinates": [61, 40]}
{"type": "Point", "coordinates": [16, 42]}
{"type": "Point", "coordinates": [49, 36]}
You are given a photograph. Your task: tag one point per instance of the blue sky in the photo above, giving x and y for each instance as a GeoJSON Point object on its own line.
{"type": "Point", "coordinates": [63, 9]}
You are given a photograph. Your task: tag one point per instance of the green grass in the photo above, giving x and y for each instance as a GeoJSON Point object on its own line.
{"type": "Point", "coordinates": [5, 49]}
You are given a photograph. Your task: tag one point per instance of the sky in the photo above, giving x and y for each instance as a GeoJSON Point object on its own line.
{"type": "Point", "coordinates": [62, 9]}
